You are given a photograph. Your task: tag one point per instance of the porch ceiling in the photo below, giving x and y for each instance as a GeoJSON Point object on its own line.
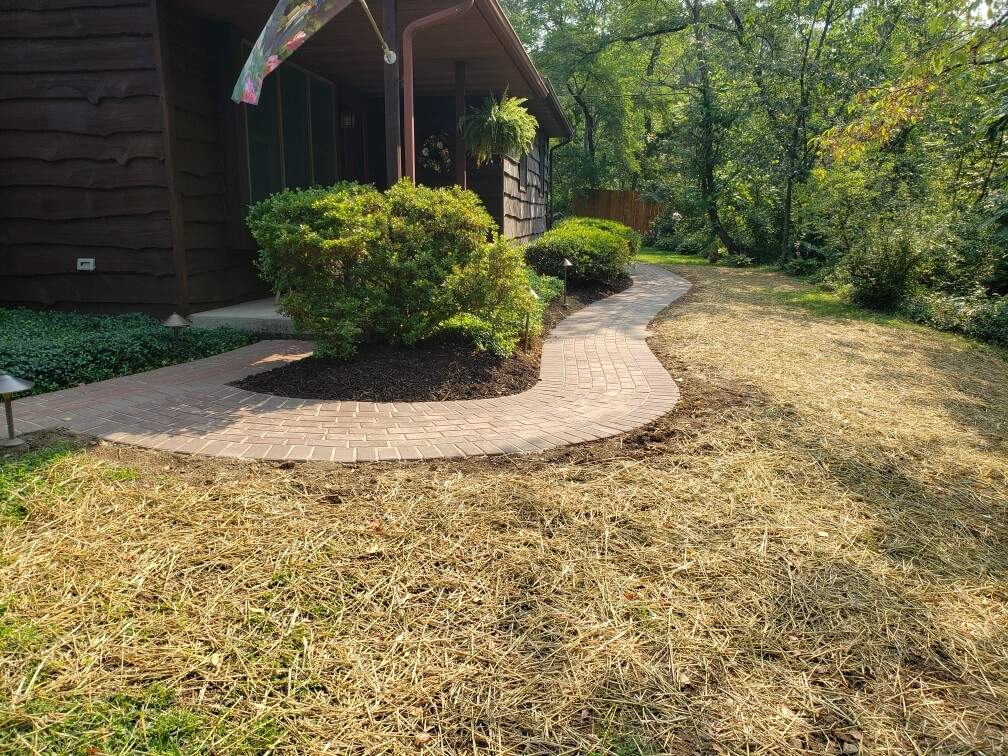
{"type": "Point", "coordinates": [347, 50]}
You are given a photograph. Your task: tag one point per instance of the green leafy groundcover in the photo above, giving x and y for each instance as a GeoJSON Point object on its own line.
{"type": "Point", "coordinates": [58, 350]}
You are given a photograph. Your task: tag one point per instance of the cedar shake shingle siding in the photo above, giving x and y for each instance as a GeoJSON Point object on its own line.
{"type": "Point", "coordinates": [526, 193]}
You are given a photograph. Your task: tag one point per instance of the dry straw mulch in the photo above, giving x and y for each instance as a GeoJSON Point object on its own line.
{"type": "Point", "coordinates": [809, 555]}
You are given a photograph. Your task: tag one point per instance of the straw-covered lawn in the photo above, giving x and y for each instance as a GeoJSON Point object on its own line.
{"type": "Point", "coordinates": [811, 554]}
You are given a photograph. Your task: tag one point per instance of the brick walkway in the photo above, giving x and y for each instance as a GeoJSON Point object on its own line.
{"type": "Point", "coordinates": [598, 379]}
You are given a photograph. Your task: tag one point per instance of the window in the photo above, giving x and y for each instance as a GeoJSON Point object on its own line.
{"type": "Point", "coordinates": [291, 133]}
{"type": "Point", "coordinates": [523, 173]}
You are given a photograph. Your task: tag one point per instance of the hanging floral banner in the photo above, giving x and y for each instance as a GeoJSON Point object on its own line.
{"type": "Point", "coordinates": [289, 25]}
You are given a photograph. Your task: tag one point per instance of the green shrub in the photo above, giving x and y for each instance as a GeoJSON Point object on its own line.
{"type": "Point", "coordinates": [59, 350]}
{"type": "Point", "coordinates": [633, 238]}
{"type": "Point", "coordinates": [596, 254]}
{"type": "Point", "coordinates": [983, 318]}
{"type": "Point", "coordinates": [492, 295]}
{"type": "Point", "coordinates": [738, 260]}
{"type": "Point", "coordinates": [354, 264]}
{"type": "Point", "coordinates": [697, 243]}
{"type": "Point", "coordinates": [432, 232]}
{"type": "Point", "coordinates": [880, 268]}
{"type": "Point", "coordinates": [665, 227]}
{"type": "Point", "coordinates": [320, 251]}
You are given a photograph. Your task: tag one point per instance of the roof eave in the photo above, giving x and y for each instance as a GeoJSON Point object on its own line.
{"type": "Point", "coordinates": [498, 22]}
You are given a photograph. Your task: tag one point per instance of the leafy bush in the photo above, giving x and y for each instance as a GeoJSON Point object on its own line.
{"type": "Point", "coordinates": [319, 251]}
{"type": "Point", "coordinates": [596, 254]}
{"type": "Point", "coordinates": [738, 260]}
{"type": "Point", "coordinates": [59, 350]}
{"type": "Point", "coordinates": [664, 229]}
{"type": "Point", "coordinates": [432, 232]}
{"type": "Point", "coordinates": [880, 268]}
{"type": "Point", "coordinates": [633, 238]}
{"type": "Point", "coordinates": [493, 295]}
{"type": "Point", "coordinates": [983, 318]}
{"type": "Point", "coordinates": [354, 264]}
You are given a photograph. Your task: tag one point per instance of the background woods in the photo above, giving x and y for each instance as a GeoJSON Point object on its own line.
{"type": "Point", "coordinates": [859, 139]}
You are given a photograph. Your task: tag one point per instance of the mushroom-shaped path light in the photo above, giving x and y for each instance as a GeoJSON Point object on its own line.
{"type": "Point", "coordinates": [566, 264]}
{"type": "Point", "coordinates": [176, 322]}
{"type": "Point", "coordinates": [9, 385]}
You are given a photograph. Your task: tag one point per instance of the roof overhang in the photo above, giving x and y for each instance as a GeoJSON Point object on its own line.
{"type": "Point", "coordinates": [346, 50]}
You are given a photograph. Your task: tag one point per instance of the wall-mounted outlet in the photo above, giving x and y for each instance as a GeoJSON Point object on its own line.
{"type": "Point", "coordinates": [86, 264]}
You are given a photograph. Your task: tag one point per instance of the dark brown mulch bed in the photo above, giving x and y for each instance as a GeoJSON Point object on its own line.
{"type": "Point", "coordinates": [428, 372]}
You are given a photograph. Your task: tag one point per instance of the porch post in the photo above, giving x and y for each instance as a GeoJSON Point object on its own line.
{"type": "Point", "coordinates": [460, 108]}
{"type": "Point", "coordinates": [393, 118]}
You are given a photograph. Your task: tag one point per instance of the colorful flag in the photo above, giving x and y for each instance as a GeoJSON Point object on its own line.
{"type": "Point", "coordinates": [289, 25]}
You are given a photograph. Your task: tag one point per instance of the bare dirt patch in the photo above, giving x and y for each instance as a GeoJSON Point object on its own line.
{"type": "Point", "coordinates": [809, 555]}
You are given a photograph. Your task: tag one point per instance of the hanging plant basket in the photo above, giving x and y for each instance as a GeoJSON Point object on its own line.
{"type": "Point", "coordinates": [499, 127]}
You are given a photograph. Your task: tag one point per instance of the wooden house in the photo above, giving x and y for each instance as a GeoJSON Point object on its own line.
{"type": "Point", "coordinates": [126, 170]}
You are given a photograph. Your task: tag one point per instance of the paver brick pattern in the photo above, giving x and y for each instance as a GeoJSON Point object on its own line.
{"type": "Point", "coordinates": [598, 379]}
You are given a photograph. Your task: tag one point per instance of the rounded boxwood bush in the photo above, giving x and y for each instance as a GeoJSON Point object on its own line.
{"type": "Point", "coordinates": [596, 254]}
{"type": "Point", "coordinates": [633, 238]}
{"type": "Point", "coordinates": [353, 264]}
{"type": "Point", "coordinates": [320, 249]}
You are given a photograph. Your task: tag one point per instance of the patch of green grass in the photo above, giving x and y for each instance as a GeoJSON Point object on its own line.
{"type": "Point", "coordinates": [661, 257]}
{"type": "Point", "coordinates": [827, 304]}
{"type": "Point", "coordinates": [16, 636]}
{"type": "Point", "coordinates": [622, 744]}
{"type": "Point", "coordinates": [113, 474]}
{"type": "Point", "coordinates": [23, 472]}
{"type": "Point", "coordinates": [150, 722]}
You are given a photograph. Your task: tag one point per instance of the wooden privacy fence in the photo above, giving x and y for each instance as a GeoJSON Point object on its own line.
{"type": "Point", "coordinates": [625, 206]}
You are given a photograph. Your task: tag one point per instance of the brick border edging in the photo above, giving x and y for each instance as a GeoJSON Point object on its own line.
{"type": "Point", "coordinates": [598, 378]}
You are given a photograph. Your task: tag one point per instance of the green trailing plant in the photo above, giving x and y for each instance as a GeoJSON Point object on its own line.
{"type": "Point", "coordinates": [499, 127]}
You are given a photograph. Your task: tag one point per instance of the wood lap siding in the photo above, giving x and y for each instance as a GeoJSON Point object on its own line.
{"type": "Point", "coordinates": [526, 203]}
{"type": "Point", "coordinates": [82, 169]}
{"type": "Point", "coordinates": [220, 267]}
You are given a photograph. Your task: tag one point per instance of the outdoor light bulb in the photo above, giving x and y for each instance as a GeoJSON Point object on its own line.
{"type": "Point", "coordinates": [390, 57]}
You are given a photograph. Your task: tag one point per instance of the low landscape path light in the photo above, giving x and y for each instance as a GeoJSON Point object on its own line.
{"type": "Point", "coordinates": [10, 385]}
{"type": "Point", "coordinates": [176, 322]}
{"type": "Point", "coordinates": [566, 264]}
{"type": "Point", "coordinates": [528, 319]}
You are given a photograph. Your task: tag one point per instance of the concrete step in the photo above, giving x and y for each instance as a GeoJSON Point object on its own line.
{"type": "Point", "coordinates": [260, 316]}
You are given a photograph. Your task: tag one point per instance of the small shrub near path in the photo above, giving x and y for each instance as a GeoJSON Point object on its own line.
{"type": "Point", "coordinates": [808, 555]}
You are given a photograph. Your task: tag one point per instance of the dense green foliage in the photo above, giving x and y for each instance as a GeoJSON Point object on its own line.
{"type": "Point", "coordinates": [59, 350]}
{"type": "Point", "coordinates": [598, 250]}
{"type": "Point", "coordinates": [862, 142]}
{"type": "Point", "coordinates": [633, 238]}
{"type": "Point", "coordinates": [353, 264]}
{"type": "Point", "coordinates": [499, 127]}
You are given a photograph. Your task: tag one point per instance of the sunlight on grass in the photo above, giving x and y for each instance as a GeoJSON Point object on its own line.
{"type": "Point", "coordinates": [661, 257]}
{"type": "Point", "coordinates": [149, 721]}
{"type": "Point", "coordinates": [22, 473]}
{"type": "Point", "coordinates": [823, 510]}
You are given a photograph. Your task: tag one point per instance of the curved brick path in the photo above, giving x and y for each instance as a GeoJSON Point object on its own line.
{"type": "Point", "coordinates": [598, 379]}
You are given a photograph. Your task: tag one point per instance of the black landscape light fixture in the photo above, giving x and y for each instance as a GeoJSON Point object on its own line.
{"type": "Point", "coordinates": [566, 264]}
{"type": "Point", "coordinates": [9, 385]}
{"type": "Point", "coordinates": [176, 323]}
